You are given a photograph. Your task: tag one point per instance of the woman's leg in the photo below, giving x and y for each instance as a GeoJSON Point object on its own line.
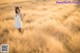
{"type": "Point", "coordinates": [19, 29]}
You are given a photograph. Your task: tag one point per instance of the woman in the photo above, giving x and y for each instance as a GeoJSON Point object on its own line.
{"type": "Point", "coordinates": [18, 18]}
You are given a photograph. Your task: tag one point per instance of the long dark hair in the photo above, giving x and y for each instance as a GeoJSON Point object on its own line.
{"type": "Point", "coordinates": [17, 9]}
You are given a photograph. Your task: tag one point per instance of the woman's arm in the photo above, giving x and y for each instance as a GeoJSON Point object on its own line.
{"type": "Point", "coordinates": [22, 16]}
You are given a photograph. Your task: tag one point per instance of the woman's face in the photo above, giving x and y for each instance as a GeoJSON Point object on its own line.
{"type": "Point", "coordinates": [18, 10]}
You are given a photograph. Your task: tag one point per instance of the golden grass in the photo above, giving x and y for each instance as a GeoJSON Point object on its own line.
{"type": "Point", "coordinates": [47, 28]}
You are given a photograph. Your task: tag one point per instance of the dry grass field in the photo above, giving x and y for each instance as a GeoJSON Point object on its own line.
{"type": "Point", "coordinates": [47, 27]}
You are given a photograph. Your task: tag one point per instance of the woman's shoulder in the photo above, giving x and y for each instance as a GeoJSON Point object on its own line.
{"type": "Point", "coordinates": [18, 14]}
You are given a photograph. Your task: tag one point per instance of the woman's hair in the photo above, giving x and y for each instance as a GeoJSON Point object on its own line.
{"type": "Point", "coordinates": [17, 9]}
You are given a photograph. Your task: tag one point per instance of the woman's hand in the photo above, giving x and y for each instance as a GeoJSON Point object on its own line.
{"type": "Point", "coordinates": [22, 16]}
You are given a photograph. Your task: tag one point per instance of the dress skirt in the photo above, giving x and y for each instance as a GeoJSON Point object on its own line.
{"type": "Point", "coordinates": [18, 23]}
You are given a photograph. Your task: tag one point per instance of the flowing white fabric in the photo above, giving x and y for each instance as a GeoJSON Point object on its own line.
{"type": "Point", "coordinates": [18, 23]}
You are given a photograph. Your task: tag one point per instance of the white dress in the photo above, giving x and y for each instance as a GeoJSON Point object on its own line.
{"type": "Point", "coordinates": [18, 23]}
